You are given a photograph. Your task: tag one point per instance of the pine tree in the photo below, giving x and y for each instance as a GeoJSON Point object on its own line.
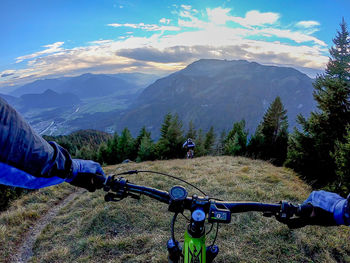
{"type": "Point", "coordinates": [339, 63]}
{"type": "Point", "coordinates": [143, 133]}
{"type": "Point", "coordinates": [191, 133]}
{"type": "Point", "coordinates": [209, 141]}
{"type": "Point", "coordinates": [270, 139]}
{"type": "Point", "coordinates": [175, 137]}
{"type": "Point", "coordinates": [165, 125]}
{"type": "Point", "coordinates": [310, 150]}
{"type": "Point", "coordinates": [126, 145]}
{"type": "Point", "coordinates": [170, 143]}
{"type": "Point", "coordinates": [200, 149]}
{"type": "Point", "coordinates": [146, 150]}
{"type": "Point", "coordinates": [236, 140]}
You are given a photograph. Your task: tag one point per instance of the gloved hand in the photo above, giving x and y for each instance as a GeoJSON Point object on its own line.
{"type": "Point", "coordinates": [329, 209]}
{"type": "Point", "coordinates": [86, 174]}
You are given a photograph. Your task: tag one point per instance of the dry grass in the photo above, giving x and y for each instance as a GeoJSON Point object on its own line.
{"type": "Point", "coordinates": [23, 214]}
{"type": "Point", "coordinates": [90, 230]}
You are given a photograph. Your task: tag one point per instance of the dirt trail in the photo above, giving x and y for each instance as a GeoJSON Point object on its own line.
{"type": "Point", "coordinates": [25, 252]}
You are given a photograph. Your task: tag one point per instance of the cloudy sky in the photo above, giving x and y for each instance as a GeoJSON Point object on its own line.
{"type": "Point", "coordinates": [52, 38]}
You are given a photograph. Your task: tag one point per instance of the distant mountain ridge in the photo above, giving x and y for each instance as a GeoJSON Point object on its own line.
{"type": "Point", "coordinates": [219, 92]}
{"type": "Point", "coordinates": [88, 85]}
{"type": "Point", "coordinates": [48, 99]}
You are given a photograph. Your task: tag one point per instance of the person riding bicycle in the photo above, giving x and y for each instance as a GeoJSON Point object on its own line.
{"type": "Point", "coordinates": [189, 145]}
{"type": "Point", "coordinates": [28, 161]}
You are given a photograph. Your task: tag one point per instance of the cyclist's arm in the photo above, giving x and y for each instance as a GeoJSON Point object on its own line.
{"type": "Point", "coordinates": [333, 204]}
{"type": "Point", "coordinates": [23, 151]}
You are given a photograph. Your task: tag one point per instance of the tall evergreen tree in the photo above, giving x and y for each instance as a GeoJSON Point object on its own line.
{"type": "Point", "coordinates": [170, 142]}
{"type": "Point", "coordinates": [200, 148]}
{"type": "Point", "coordinates": [236, 140]}
{"type": "Point", "coordinates": [191, 133]}
{"type": "Point", "coordinates": [175, 137]}
{"type": "Point", "coordinates": [339, 62]}
{"type": "Point", "coordinates": [143, 133]}
{"type": "Point", "coordinates": [310, 150]}
{"type": "Point", "coordinates": [146, 150]}
{"type": "Point", "coordinates": [209, 141]}
{"type": "Point", "coordinates": [125, 145]}
{"type": "Point", "coordinates": [165, 125]}
{"type": "Point", "coordinates": [270, 139]}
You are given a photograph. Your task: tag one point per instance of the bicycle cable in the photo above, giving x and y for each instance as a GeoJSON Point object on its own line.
{"type": "Point", "coordinates": [211, 228]}
{"type": "Point", "coordinates": [216, 234]}
{"type": "Point", "coordinates": [169, 175]}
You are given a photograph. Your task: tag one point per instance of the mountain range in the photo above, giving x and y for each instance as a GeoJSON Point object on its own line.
{"type": "Point", "coordinates": [208, 92]}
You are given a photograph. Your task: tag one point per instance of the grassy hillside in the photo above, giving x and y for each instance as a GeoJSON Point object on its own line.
{"type": "Point", "coordinates": [90, 230]}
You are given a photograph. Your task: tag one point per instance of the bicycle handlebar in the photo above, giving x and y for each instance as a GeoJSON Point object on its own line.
{"type": "Point", "coordinates": [283, 211]}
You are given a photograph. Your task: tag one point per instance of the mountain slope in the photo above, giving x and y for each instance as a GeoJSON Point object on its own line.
{"type": "Point", "coordinates": [90, 230]}
{"type": "Point", "coordinates": [216, 92]}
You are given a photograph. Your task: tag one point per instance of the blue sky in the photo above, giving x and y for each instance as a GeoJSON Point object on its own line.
{"type": "Point", "coordinates": [45, 39]}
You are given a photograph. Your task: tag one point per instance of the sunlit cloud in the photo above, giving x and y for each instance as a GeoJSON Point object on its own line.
{"type": "Point", "coordinates": [52, 48]}
{"type": "Point", "coordinates": [147, 27]}
{"type": "Point", "coordinates": [171, 44]}
{"type": "Point", "coordinates": [255, 18]}
{"type": "Point", "coordinates": [307, 24]}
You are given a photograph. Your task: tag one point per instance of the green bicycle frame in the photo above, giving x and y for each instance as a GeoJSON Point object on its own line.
{"type": "Point", "coordinates": [194, 249]}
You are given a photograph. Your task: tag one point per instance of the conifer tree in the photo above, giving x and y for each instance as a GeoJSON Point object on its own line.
{"type": "Point", "coordinates": [310, 150]}
{"type": "Point", "coordinates": [146, 150]}
{"type": "Point", "coordinates": [200, 149]}
{"type": "Point", "coordinates": [191, 133]}
{"type": "Point", "coordinates": [102, 154]}
{"type": "Point", "coordinates": [175, 138]}
{"type": "Point", "coordinates": [271, 137]}
{"type": "Point", "coordinates": [339, 62]}
{"type": "Point", "coordinates": [143, 132]}
{"type": "Point", "coordinates": [165, 125]}
{"type": "Point", "coordinates": [209, 141]}
{"type": "Point", "coordinates": [125, 145]}
{"type": "Point", "coordinates": [236, 140]}
{"type": "Point", "coordinates": [170, 142]}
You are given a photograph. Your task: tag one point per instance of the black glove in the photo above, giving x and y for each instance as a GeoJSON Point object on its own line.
{"type": "Point", "coordinates": [86, 174]}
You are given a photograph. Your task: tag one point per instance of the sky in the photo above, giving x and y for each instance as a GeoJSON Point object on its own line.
{"type": "Point", "coordinates": [55, 38]}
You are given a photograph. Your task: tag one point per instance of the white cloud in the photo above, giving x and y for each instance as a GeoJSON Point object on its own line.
{"type": "Point", "coordinates": [255, 18]}
{"type": "Point", "coordinates": [307, 24]}
{"type": "Point", "coordinates": [147, 27]}
{"type": "Point", "coordinates": [164, 21]}
{"type": "Point", "coordinates": [186, 7]}
{"type": "Point", "coordinates": [53, 48]}
{"type": "Point", "coordinates": [219, 15]}
{"type": "Point", "coordinates": [296, 36]}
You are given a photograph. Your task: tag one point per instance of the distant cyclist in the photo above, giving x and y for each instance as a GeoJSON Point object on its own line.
{"type": "Point", "coordinates": [189, 145]}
